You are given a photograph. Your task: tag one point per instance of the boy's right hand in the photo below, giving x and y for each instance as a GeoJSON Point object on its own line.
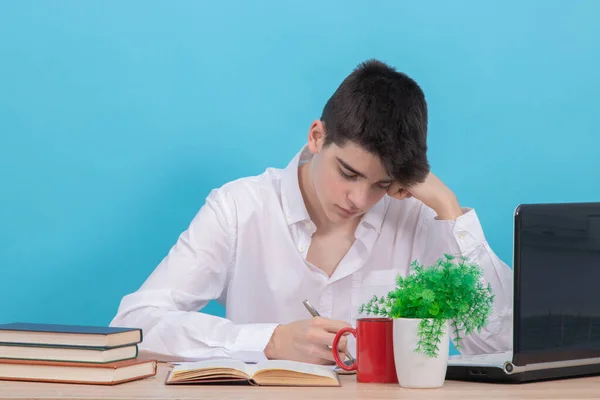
{"type": "Point", "coordinates": [307, 340]}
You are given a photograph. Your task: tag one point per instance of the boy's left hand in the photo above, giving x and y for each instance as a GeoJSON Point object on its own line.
{"type": "Point", "coordinates": [433, 193]}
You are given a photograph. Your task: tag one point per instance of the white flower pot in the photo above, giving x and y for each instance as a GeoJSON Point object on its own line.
{"type": "Point", "coordinates": [415, 369]}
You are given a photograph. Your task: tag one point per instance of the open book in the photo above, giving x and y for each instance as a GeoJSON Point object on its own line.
{"type": "Point", "coordinates": [264, 373]}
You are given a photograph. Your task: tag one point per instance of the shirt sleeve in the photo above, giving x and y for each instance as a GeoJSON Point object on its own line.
{"type": "Point", "coordinates": [195, 271]}
{"type": "Point", "coordinates": [464, 236]}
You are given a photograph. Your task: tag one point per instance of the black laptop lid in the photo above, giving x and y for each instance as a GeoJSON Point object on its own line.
{"type": "Point", "coordinates": [557, 282]}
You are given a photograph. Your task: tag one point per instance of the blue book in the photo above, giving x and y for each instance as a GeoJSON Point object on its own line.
{"type": "Point", "coordinates": [33, 334]}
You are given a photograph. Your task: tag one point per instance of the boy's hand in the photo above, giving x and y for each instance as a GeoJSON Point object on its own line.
{"type": "Point", "coordinates": [306, 341]}
{"type": "Point", "coordinates": [433, 193]}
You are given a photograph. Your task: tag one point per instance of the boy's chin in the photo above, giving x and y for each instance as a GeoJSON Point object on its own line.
{"type": "Point", "coordinates": [335, 214]}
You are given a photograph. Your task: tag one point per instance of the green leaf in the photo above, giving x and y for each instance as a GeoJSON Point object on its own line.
{"type": "Point", "coordinates": [434, 310]}
{"type": "Point", "coordinates": [428, 295]}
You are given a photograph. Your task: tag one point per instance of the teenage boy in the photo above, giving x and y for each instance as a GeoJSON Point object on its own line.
{"type": "Point", "coordinates": [351, 211]}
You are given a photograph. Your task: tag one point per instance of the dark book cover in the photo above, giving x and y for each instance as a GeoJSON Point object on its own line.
{"type": "Point", "coordinates": [104, 337]}
{"type": "Point", "coordinates": [56, 328]}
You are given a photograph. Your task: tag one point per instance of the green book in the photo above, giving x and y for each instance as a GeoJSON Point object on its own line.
{"type": "Point", "coordinates": [77, 336]}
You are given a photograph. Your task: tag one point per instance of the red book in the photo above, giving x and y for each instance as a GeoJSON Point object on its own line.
{"type": "Point", "coordinates": [76, 372]}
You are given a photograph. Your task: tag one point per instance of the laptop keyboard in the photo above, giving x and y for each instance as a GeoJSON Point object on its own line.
{"type": "Point", "coordinates": [481, 359]}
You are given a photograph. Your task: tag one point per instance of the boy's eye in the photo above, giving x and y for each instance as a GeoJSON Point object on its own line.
{"type": "Point", "coordinates": [346, 175]}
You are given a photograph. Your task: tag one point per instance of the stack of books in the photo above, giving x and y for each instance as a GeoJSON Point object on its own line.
{"type": "Point", "coordinates": [72, 354]}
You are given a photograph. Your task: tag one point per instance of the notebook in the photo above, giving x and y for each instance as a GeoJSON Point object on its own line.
{"type": "Point", "coordinates": [69, 335]}
{"type": "Point", "coordinates": [264, 373]}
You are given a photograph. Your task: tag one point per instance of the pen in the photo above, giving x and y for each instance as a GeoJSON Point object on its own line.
{"type": "Point", "coordinates": [315, 313]}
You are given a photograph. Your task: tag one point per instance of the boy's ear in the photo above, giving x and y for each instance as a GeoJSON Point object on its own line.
{"type": "Point", "coordinates": [316, 136]}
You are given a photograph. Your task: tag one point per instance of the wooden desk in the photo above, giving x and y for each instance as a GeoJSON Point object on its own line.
{"type": "Point", "coordinates": [154, 388]}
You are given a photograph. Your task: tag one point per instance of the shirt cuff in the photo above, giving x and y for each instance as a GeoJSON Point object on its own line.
{"type": "Point", "coordinates": [251, 341]}
{"type": "Point", "coordinates": [466, 230]}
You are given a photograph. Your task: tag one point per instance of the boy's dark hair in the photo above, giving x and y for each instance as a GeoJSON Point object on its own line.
{"type": "Point", "coordinates": [385, 112]}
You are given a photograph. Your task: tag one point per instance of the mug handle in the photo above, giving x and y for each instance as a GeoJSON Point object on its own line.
{"type": "Point", "coordinates": [336, 354]}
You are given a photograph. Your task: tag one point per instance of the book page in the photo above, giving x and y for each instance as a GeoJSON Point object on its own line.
{"type": "Point", "coordinates": [210, 364]}
{"type": "Point", "coordinates": [305, 368]}
{"type": "Point", "coordinates": [207, 368]}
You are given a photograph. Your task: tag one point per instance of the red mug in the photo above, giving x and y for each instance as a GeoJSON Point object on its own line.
{"type": "Point", "coordinates": [374, 350]}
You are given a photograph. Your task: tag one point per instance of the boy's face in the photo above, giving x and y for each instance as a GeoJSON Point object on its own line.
{"type": "Point", "coordinates": [347, 180]}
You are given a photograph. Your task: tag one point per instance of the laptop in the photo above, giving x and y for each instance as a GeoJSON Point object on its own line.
{"type": "Point", "coordinates": [556, 314]}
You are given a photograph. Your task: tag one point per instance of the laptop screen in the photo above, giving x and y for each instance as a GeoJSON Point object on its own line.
{"type": "Point", "coordinates": [557, 282]}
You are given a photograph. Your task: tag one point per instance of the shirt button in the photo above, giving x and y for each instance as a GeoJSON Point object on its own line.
{"type": "Point", "coordinates": [289, 220]}
{"type": "Point", "coordinates": [309, 225]}
{"type": "Point", "coordinates": [301, 247]}
{"type": "Point", "coordinates": [461, 235]}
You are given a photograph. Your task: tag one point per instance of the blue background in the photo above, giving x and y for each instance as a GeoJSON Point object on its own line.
{"type": "Point", "coordinates": [118, 117]}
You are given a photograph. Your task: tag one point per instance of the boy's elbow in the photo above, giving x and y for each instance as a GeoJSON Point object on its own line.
{"type": "Point", "coordinates": [135, 311]}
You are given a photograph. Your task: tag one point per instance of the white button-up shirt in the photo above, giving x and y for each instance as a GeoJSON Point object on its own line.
{"type": "Point", "coordinates": [247, 248]}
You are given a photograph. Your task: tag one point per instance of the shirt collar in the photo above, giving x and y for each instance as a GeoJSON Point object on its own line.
{"type": "Point", "coordinates": [375, 216]}
{"type": "Point", "coordinates": [293, 203]}
{"type": "Point", "coordinates": [291, 196]}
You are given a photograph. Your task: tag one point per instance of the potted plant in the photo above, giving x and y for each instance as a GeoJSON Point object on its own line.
{"type": "Point", "coordinates": [425, 305]}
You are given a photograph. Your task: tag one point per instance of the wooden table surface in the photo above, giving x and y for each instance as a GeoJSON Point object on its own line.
{"type": "Point", "coordinates": [154, 388]}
